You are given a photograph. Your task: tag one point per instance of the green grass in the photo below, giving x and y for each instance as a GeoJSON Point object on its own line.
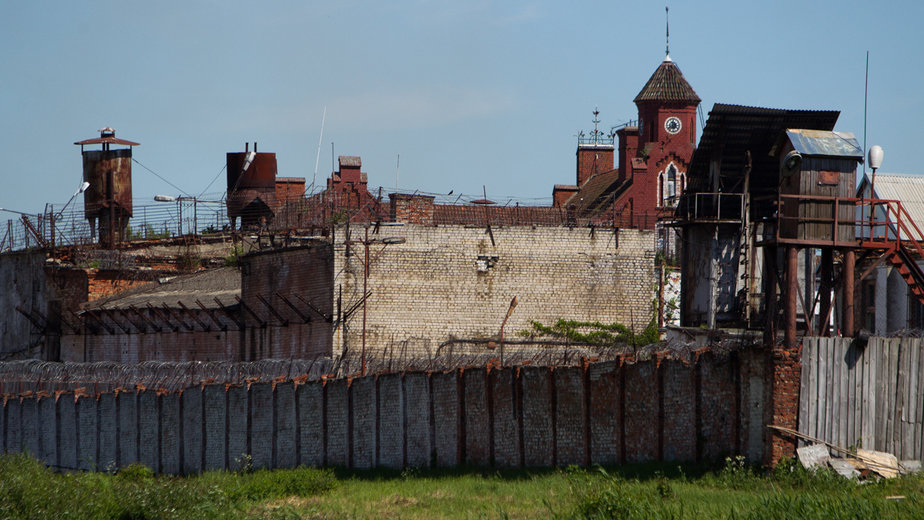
{"type": "Point", "coordinates": [731, 491]}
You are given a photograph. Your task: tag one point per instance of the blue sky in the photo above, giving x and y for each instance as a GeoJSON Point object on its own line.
{"type": "Point", "coordinates": [468, 93]}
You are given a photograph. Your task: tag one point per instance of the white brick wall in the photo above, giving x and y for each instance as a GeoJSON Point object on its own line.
{"type": "Point", "coordinates": [452, 282]}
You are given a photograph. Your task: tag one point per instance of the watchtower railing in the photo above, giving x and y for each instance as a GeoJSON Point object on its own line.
{"type": "Point", "coordinates": [704, 207]}
{"type": "Point", "coordinates": [845, 221]}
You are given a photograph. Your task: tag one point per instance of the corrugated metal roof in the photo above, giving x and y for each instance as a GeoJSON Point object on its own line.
{"type": "Point", "coordinates": [667, 84]}
{"type": "Point", "coordinates": [824, 142]}
{"type": "Point", "coordinates": [733, 130]}
{"type": "Point", "coordinates": [907, 189]}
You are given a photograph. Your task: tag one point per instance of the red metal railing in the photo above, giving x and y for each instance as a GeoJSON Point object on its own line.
{"type": "Point", "coordinates": [875, 223]}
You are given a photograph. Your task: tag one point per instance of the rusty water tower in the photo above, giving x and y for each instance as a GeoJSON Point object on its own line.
{"type": "Point", "coordinates": [108, 200]}
{"type": "Point", "coordinates": [251, 187]}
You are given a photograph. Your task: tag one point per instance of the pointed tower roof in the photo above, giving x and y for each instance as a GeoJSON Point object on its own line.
{"type": "Point", "coordinates": [667, 84]}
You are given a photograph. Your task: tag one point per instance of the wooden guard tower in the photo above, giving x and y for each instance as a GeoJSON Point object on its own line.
{"type": "Point", "coordinates": [773, 235]}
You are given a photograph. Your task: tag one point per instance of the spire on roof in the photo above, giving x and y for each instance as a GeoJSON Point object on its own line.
{"type": "Point", "coordinates": [667, 26]}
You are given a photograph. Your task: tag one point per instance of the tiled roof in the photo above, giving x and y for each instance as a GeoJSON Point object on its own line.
{"type": "Point", "coordinates": [668, 84]}
{"type": "Point", "coordinates": [593, 194]}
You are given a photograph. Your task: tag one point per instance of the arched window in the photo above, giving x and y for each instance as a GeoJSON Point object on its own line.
{"type": "Point", "coordinates": [671, 183]}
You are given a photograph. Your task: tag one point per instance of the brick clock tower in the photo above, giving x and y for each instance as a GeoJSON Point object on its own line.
{"type": "Point", "coordinates": [653, 157]}
{"type": "Point", "coordinates": [666, 136]}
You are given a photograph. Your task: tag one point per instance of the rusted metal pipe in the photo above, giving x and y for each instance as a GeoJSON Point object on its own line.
{"type": "Point", "coordinates": [211, 315]}
{"type": "Point", "coordinates": [513, 305]}
{"type": "Point", "coordinates": [827, 273]}
{"type": "Point", "coordinates": [250, 311]}
{"type": "Point", "coordinates": [771, 277]}
{"type": "Point", "coordinates": [305, 318]}
{"type": "Point", "coordinates": [792, 291]}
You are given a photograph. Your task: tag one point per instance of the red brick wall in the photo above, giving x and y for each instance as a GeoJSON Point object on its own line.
{"type": "Point", "coordinates": [103, 283]}
{"type": "Point", "coordinates": [414, 209]}
{"type": "Point", "coordinates": [592, 160]}
{"type": "Point", "coordinates": [628, 148]}
{"type": "Point", "coordinates": [561, 193]}
{"type": "Point", "coordinates": [784, 406]}
{"type": "Point", "coordinates": [289, 189]}
{"type": "Point", "coordinates": [655, 148]}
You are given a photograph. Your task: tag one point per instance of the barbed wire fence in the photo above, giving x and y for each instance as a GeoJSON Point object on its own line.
{"type": "Point", "coordinates": [25, 376]}
{"type": "Point", "coordinates": [207, 214]}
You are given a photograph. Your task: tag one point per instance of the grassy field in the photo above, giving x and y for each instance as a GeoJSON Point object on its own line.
{"type": "Point", "coordinates": [734, 491]}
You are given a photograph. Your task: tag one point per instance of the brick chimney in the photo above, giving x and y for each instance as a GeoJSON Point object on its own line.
{"type": "Point", "coordinates": [594, 152]}
{"type": "Point", "coordinates": [628, 148]}
{"type": "Point", "coordinates": [593, 159]}
{"type": "Point", "coordinates": [411, 209]}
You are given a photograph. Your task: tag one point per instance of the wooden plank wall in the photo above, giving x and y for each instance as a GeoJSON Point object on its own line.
{"type": "Point", "coordinates": [870, 397]}
{"type": "Point", "coordinates": [821, 213]}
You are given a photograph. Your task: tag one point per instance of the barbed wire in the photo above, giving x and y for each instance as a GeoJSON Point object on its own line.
{"type": "Point", "coordinates": [18, 377]}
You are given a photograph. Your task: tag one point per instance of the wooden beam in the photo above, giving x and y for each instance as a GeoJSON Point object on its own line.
{"type": "Point", "coordinates": [113, 320]}
{"type": "Point", "coordinates": [141, 329]}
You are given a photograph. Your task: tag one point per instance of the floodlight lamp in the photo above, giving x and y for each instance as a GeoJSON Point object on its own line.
{"type": "Point", "coordinates": [875, 157]}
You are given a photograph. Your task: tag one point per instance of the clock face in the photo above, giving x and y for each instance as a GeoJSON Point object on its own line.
{"type": "Point", "coordinates": [672, 125]}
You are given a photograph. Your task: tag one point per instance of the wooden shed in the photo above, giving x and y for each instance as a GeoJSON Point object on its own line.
{"type": "Point", "coordinates": [818, 168]}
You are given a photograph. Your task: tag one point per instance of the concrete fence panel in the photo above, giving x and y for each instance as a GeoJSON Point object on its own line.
{"type": "Point", "coordinates": [528, 416]}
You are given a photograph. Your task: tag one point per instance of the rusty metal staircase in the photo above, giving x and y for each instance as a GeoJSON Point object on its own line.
{"type": "Point", "coordinates": [909, 270]}
{"type": "Point", "coordinates": [890, 227]}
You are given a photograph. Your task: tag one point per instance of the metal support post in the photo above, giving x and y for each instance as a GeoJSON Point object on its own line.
{"type": "Point", "coordinates": [850, 260]}
{"type": "Point", "coordinates": [792, 291]}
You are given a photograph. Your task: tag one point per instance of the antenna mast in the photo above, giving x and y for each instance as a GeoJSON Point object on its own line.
{"type": "Point", "coordinates": [865, 97]}
{"type": "Point", "coordinates": [317, 158]}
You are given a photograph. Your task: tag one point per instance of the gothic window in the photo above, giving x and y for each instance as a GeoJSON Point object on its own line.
{"type": "Point", "coordinates": [670, 185]}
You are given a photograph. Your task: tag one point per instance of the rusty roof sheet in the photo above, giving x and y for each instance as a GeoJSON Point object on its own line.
{"type": "Point", "coordinates": [733, 130]}
{"type": "Point", "coordinates": [223, 283]}
{"type": "Point", "coordinates": [108, 140]}
{"type": "Point", "coordinates": [823, 143]}
{"type": "Point", "coordinates": [667, 84]}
